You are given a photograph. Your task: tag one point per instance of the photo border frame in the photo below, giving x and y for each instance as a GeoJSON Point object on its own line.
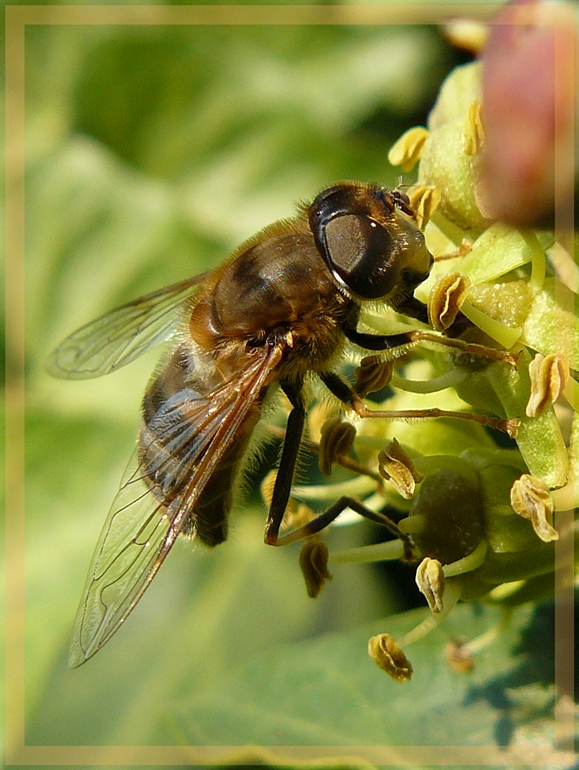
{"type": "Point", "coordinates": [17, 18]}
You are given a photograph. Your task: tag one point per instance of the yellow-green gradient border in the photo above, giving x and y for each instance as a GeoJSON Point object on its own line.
{"type": "Point", "coordinates": [17, 752]}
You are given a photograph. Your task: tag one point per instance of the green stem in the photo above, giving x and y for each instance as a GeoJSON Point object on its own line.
{"type": "Point", "coordinates": [365, 554]}
{"type": "Point", "coordinates": [451, 596]}
{"type": "Point", "coordinates": [447, 380]}
{"type": "Point", "coordinates": [506, 335]}
{"type": "Point", "coordinates": [537, 260]}
{"type": "Point", "coordinates": [467, 563]}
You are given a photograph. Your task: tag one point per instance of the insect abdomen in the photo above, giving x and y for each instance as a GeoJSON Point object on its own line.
{"type": "Point", "coordinates": [171, 434]}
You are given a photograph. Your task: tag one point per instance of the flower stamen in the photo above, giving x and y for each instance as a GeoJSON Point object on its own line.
{"type": "Point", "coordinates": [430, 581]}
{"type": "Point", "coordinates": [530, 498]}
{"type": "Point", "coordinates": [446, 298]}
{"type": "Point", "coordinates": [396, 467]}
{"type": "Point", "coordinates": [388, 655]}
{"type": "Point", "coordinates": [549, 376]}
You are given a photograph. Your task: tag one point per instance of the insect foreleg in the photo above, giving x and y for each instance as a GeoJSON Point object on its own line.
{"type": "Point", "coordinates": [393, 341]}
{"type": "Point", "coordinates": [379, 341]}
{"type": "Point", "coordinates": [414, 308]}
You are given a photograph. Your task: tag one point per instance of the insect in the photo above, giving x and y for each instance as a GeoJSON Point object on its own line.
{"type": "Point", "coordinates": [279, 310]}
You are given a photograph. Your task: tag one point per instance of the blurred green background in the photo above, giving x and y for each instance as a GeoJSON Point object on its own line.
{"type": "Point", "coordinates": [152, 152]}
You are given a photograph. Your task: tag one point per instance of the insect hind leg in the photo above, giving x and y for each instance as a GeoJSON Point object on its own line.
{"type": "Point", "coordinates": [283, 484]}
{"type": "Point", "coordinates": [324, 519]}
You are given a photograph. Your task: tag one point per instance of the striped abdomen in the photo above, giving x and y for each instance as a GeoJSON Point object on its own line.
{"type": "Point", "coordinates": [173, 440]}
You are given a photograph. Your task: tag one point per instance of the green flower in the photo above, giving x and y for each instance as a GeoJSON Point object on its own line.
{"type": "Point", "coordinates": [479, 518]}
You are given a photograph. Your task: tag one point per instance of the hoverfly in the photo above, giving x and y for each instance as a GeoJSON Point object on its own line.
{"type": "Point", "coordinates": [280, 309]}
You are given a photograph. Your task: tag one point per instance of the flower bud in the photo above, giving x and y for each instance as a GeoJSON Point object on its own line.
{"type": "Point", "coordinates": [451, 508]}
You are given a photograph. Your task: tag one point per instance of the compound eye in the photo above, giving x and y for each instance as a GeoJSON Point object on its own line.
{"type": "Point", "coordinates": [358, 252]}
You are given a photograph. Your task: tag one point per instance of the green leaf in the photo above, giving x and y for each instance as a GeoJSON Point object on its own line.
{"type": "Point", "coordinates": [328, 692]}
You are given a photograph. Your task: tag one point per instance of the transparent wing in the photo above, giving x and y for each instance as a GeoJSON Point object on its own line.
{"type": "Point", "coordinates": [122, 335]}
{"type": "Point", "coordinates": [141, 528]}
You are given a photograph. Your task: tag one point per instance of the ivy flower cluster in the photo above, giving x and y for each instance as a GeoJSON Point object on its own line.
{"type": "Point", "coordinates": [478, 519]}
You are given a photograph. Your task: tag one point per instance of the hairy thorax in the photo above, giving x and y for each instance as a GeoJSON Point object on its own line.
{"type": "Point", "coordinates": [277, 287]}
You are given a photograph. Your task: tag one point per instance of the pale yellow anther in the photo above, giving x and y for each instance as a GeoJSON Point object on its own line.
{"type": "Point", "coordinates": [396, 467]}
{"type": "Point", "coordinates": [407, 150]}
{"type": "Point", "coordinates": [424, 200]}
{"type": "Point", "coordinates": [530, 498]}
{"type": "Point", "coordinates": [446, 298]}
{"type": "Point", "coordinates": [335, 442]}
{"type": "Point", "coordinates": [430, 581]}
{"type": "Point", "coordinates": [388, 654]}
{"type": "Point", "coordinates": [549, 376]}
{"type": "Point", "coordinates": [473, 130]}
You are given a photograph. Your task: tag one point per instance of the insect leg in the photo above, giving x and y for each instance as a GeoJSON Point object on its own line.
{"type": "Point", "coordinates": [391, 341]}
{"type": "Point", "coordinates": [414, 308]}
{"type": "Point", "coordinates": [289, 455]}
{"type": "Point", "coordinates": [347, 396]}
{"type": "Point", "coordinates": [284, 479]}
{"type": "Point", "coordinates": [378, 341]}
{"type": "Point", "coordinates": [327, 517]}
